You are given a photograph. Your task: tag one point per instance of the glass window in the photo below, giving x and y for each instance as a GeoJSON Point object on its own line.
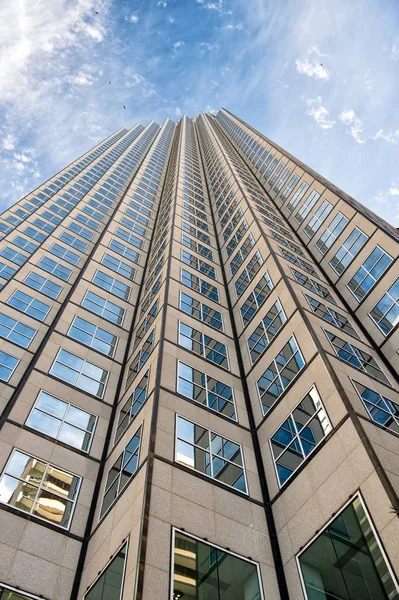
{"type": "Point", "coordinates": [199, 285]}
{"type": "Point", "coordinates": [203, 345]}
{"type": "Point", "coordinates": [267, 329]}
{"type": "Point", "coordinates": [381, 410]}
{"type": "Point", "coordinates": [25, 244]}
{"type": "Point", "coordinates": [346, 560]}
{"type": "Point", "coordinates": [92, 336]}
{"type": "Point", "coordinates": [312, 285]}
{"type": "Point", "coordinates": [318, 219]}
{"type": "Point", "coordinates": [84, 233]}
{"type": "Point", "coordinates": [121, 472]}
{"type": "Point", "coordinates": [67, 255]}
{"type": "Point", "coordinates": [58, 270]}
{"type": "Point", "coordinates": [62, 421]}
{"type": "Point", "coordinates": [369, 273]}
{"type": "Point", "coordinates": [140, 359]}
{"type": "Point", "coordinates": [80, 373]}
{"type": "Point", "coordinates": [130, 238]}
{"type": "Point", "coordinates": [206, 390]}
{"type": "Point", "coordinates": [6, 272]}
{"type": "Point", "coordinates": [29, 305]}
{"type": "Point", "coordinates": [118, 266]}
{"type": "Point", "coordinates": [349, 249]}
{"type": "Point", "coordinates": [307, 206]}
{"type": "Point", "coordinates": [333, 230]}
{"type": "Point", "coordinates": [331, 316]}
{"type": "Point", "coordinates": [14, 256]}
{"type": "Point", "coordinates": [72, 241]}
{"type": "Point", "coordinates": [197, 247]}
{"type": "Point", "coordinates": [43, 285]}
{"type": "Point", "coordinates": [109, 584]}
{"type": "Point", "coordinates": [301, 191]}
{"type": "Point", "coordinates": [132, 406]}
{"type": "Point", "coordinates": [248, 273]}
{"type": "Point", "coordinates": [201, 311]}
{"type": "Point", "coordinates": [211, 454]}
{"type": "Point", "coordinates": [114, 286]}
{"type": "Point", "coordinates": [357, 358]}
{"type": "Point", "coordinates": [8, 365]}
{"type": "Point", "coordinates": [386, 312]}
{"type": "Point", "coordinates": [204, 571]}
{"type": "Point", "coordinates": [8, 593]}
{"type": "Point", "coordinates": [104, 308]}
{"type": "Point", "coordinates": [280, 374]}
{"type": "Point", "coordinates": [241, 254]}
{"type": "Point", "coordinates": [39, 488]}
{"type": "Point", "coordinates": [299, 435]}
{"type": "Point", "coordinates": [256, 298]}
{"type": "Point", "coordinates": [15, 331]}
{"type": "Point", "coordinates": [199, 265]}
{"type": "Point", "coordinates": [125, 251]}
{"type": "Point", "coordinates": [295, 260]}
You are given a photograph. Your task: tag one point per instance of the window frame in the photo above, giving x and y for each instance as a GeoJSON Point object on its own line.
{"type": "Point", "coordinates": [204, 346]}
{"type": "Point", "coordinates": [395, 302]}
{"type": "Point", "coordinates": [100, 573]}
{"type": "Point", "coordinates": [74, 386]}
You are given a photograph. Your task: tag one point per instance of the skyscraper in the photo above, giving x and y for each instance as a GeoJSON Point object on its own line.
{"type": "Point", "coordinates": [198, 366]}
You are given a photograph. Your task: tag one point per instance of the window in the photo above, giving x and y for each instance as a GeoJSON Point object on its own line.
{"type": "Point", "coordinates": [199, 265]}
{"type": "Point", "coordinates": [8, 365]}
{"type": "Point", "coordinates": [140, 359]}
{"type": "Point", "coordinates": [386, 312]}
{"type": "Point", "coordinates": [39, 488]}
{"type": "Point", "coordinates": [79, 230]}
{"type": "Point", "coordinates": [25, 244]}
{"type": "Point", "coordinates": [14, 256]}
{"type": "Point", "coordinates": [197, 247]}
{"type": "Point", "coordinates": [301, 191]}
{"type": "Point", "coordinates": [241, 254]}
{"type": "Point", "coordinates": [334, 229]}
{"type": "Point", "coordinates": [6, 272]}
{"type": "Point", "coordinates": [318, 219]}
{"type": "Point", "coordinates": [104, 308]}
{"type": "Point", "coordinates": [72, 241]}
{"type": "Point", "coordinates": [146, 324]}
{"type": "Point", "coordinates": [248, 273]}
{"type": "Point", "coordinates": [312, 285]}
{"type": "Point", "coordinates": [124, 251]}
{"type": "Point", "coordinates": [199, 285]}
{"type": "Point", "coordinates": [267, 329]}
{"type": "Point", "coordinates": [256, 298]}
{"type": "Point", "coordinates": [93, 336]}
{"type": "Point", "coordinates": [203, 345]}
{"type": "Point", "coordinates": [15, 331]}
{"type": "Point", "coordinates": [62, 421]}
{"type": "Point", "coordinates": [110, 583]}
{"type": "Point", "coordinates": [67, 255]}
{"type": "Point", "coordinates": [381, 410]}
{"type": "Point", "coordinates": [346, 560]}
{"type": "Point", "coordinates": [331, 316]}
{"type": "Point", "coordinates": [209, 570]}
{"type": "Point", "coordinates": [58, 270]}
{"type": "Point", "coordinates": [10, 593]}
{"type": "Point", "coordinates": [79, 373]}
{"type": "Point", "coordinates": [114, 286]}
{"type": "Point", "coordinates": [118, 266]}
{"type": "Point", "coordinates": [280, 374]}
{"type": "Point", "coordinates": [307, 206]}
{"type": "Point", "coordinates": [206, 390]}
{"type": "Point", "coordinates": [26, 304]}
{"type": "Point", "coordinates": [132, 406]}
{"type": "Point", "coordinates": [121, 472]}
{"type": "Point", "coordinates": [201, 311]}
{"type": "Point", "coordinates": [35, 234]}
{"type": "Point", "coordinates": [299, 435]}
{"type": "Point", "coordinates": [298, 261]}
{"type": "Point", "coordinates": [369, 273]}
{"type": "Point", "coordinates": [43, 285]}
{"type": "Point", "coordinates": [130, 238]}
{"type": "Point", "coordinates": [349, 249]}
{"type": "Point", "coordinates": [209, 453]}
{"type": "Point", "coordinates": [357, 358]}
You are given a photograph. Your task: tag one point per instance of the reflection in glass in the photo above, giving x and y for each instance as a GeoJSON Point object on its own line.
{"type": "Point", "coordinates": [109, 585]}
{"type": "Point", "coordinates": [39, 488]}
{"type": "Point", "coordinates": [345, 562]}
{"type": "Point", "coordinates": [203, 572]}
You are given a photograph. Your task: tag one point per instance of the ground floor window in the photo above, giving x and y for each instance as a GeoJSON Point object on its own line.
{"type": "Point", "coordinates": [346, 562]}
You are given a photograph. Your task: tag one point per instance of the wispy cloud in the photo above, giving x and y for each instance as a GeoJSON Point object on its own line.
{"type": "Point", "coordinates": [392, 137]}
{"type": "Point", "coordinates": [238, 26]}
{"type": "Point", "coordinates": [311, 66]}
{"type": "Point", "coordinates": [319, 113]}
{"type": "Point", "coordinates": [134, 19]}
{"type": "Point", "coordinates": [355, 126]}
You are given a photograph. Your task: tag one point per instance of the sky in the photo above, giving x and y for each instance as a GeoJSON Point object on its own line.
{"type": "Point", "coordinates": [318, 77]}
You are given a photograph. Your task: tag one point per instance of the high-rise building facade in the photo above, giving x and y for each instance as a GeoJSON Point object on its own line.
{"type": "Point", "coordinates": [199, 377]}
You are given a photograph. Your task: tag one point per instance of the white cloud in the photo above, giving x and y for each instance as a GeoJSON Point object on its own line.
{"type": "Point", "coordinates": [133, 19]}
{"type": "Point", "coordinates": [393, 50]}
{"type": "Point", "coordinates": [178, 112]}
{"type": "Point", "coordinates": [319, 113]}
{"type": "Point", "coordinates": [354, 125]}
{"type": "Point", "coordinates": [177, 45]}
{"type": "Point", "coordinates": [210, 47]}
{"type": "Point", "coordinates": [81, 79]}
{"type": "Point", "coordinates": [312, 69]}
{"type": "Point", "coordinates": [392, 137]}
{"type": "Point", "coordinates": [134, 79]}
{"type": "Point", "coordinates": [162, 3]}
{"type": "Point", "coordinates": [239, 26]}
{"type": "Point", "coordinates": [171, 20]}
{"type": "Point", "coordinates": [9, 142]}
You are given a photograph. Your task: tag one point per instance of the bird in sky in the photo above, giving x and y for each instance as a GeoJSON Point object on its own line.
{"type": "Point", "coordinates": [321, 65]}
{"type": "Point", "coordinates": [109, 83]}
{"type": "Point", "coordinates": [124, 106]}
{"type": "Point", "coordinates": [96, 11]}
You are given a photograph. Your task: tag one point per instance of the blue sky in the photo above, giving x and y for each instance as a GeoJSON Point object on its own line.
{"type": "Point", "coordinates": [319, 77]}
